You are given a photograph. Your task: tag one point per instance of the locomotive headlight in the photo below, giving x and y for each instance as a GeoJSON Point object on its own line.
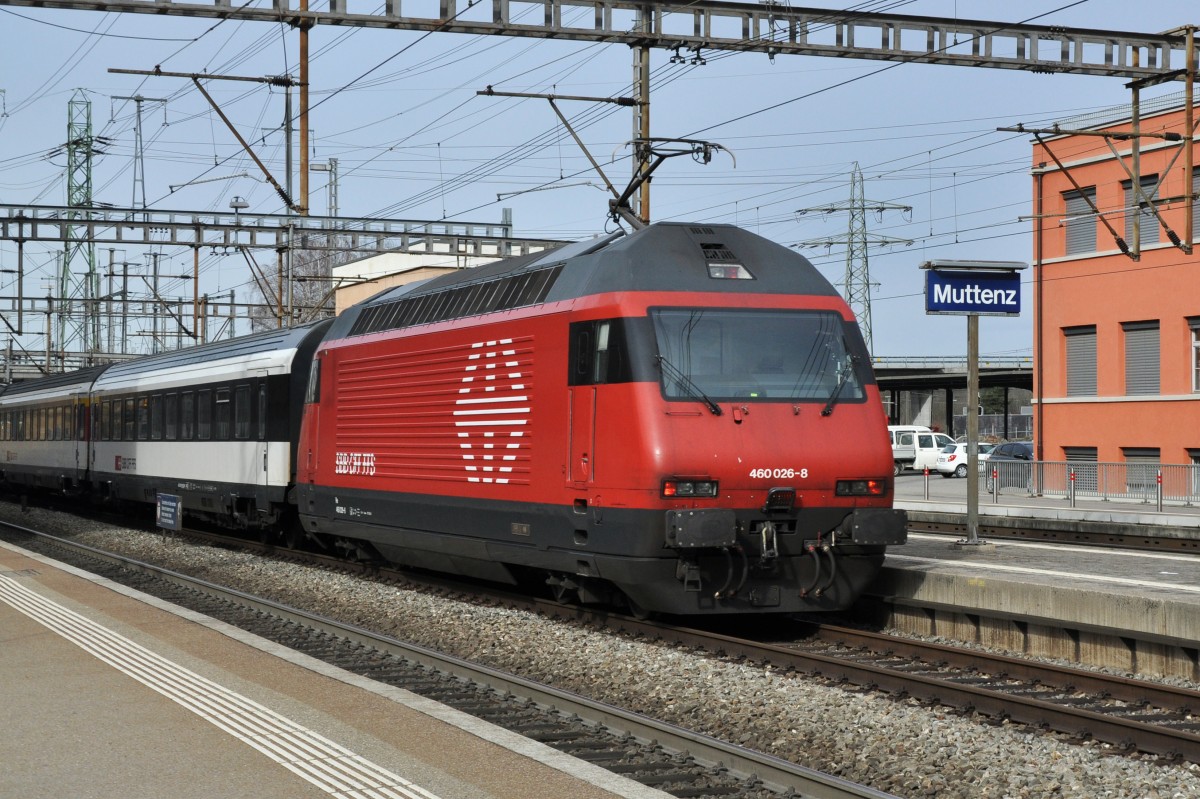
{"type": "Point", "coordinates": [861, 488]}
{"type": "Point", "coordinates": [689, 488]}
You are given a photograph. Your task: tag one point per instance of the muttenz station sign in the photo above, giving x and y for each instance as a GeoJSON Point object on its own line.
{"type": "Point", "coordinates": [982, 292]}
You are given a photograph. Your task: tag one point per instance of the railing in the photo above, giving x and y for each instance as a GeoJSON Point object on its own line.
{"type": "Point", "coordinates": [1150, 483]}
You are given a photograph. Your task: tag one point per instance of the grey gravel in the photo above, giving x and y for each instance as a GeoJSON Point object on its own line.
{"type": "Point", "coordinates": [896, 746]}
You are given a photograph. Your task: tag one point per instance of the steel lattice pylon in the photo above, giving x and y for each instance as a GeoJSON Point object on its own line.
{"type": "Point", "coordinates": [856, 286]}
{"type": "Point", "coordinates": [78, 283]}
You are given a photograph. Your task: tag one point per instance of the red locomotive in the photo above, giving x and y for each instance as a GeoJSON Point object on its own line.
{"type": "Point", "coordinates": [684, 419]}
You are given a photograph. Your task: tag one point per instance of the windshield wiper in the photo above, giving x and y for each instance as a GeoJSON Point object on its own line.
{"type": "Point", "coordinates": [689, 385]}
{"type": "Point", "coordinates": [843, 376]}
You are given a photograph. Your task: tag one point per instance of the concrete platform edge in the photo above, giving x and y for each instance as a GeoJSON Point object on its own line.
{"type": "Point", "coordinates": [541, 753]}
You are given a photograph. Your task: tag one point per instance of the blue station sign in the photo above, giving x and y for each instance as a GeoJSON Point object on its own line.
{"type": "Point", "coordinates": [169, 512]}
{"type": "Point", "coordinates": [951, 291]}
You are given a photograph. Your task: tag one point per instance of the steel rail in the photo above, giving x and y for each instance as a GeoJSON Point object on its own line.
{"type": "Point", "coordinates": [1117, 539]}
{"type": "Point", "coordinates": [776, 773]}
{"type": "Point", "coordinates": [1029, 710]}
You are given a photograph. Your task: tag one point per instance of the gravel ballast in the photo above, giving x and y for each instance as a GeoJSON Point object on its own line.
{"type": "Point", "coordinates": [897, 746]}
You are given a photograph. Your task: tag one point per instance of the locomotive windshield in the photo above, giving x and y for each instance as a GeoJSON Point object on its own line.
{"type": "Point", "coordinates": [731, 354]}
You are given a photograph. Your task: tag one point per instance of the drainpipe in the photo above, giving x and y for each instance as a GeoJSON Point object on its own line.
{"type": "Point", "coordinates": [1039, 312]}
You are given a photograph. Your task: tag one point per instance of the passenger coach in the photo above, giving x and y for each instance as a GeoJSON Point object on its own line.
{"type": "Point", "coordinates": [213, 424]}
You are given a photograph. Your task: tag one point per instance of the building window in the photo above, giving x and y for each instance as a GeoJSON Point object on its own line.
{"type": "Point", "coordinates": [1082, 461]}
{"type": "Point", "coordinates": [1141, 357]}
{"type": "Point", "coordinates": [1137, 208]}
{"type": "Point", "coordinates": [1141, 469]}
{"type": "Point", "coordinates": [1195, 205]}
{"type": "Point", "coordinates": [1194, 325]}
{"type": "Point", "coordinates": [1080, 221]}
{"type": "Point", "coordinates": [1081, 360]}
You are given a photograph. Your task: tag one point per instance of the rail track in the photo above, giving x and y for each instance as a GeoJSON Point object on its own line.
{"type": "Point", "coordinates": [1131, 714]}
{"type": "Point", "coordinates": [658, 754]}
{"type": "Point", "coordinates": [1122, 538]}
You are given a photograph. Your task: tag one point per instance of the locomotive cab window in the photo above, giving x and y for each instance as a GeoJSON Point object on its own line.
{"type": "Point", "coordinates": [768, 355]}
{"type": "Point", "coordinates": [599, 353]}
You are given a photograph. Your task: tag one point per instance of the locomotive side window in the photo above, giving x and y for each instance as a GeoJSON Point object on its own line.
{"type": "Point", "coordinates": [599, 353]}
{"type": "Point", "coordinates": [769, 355]}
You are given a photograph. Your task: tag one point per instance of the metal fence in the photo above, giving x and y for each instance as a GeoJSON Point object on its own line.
{"type": "Point", "coordinates": [1151, 483]}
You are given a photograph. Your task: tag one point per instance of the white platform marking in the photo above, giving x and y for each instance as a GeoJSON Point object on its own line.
{"type": "Point", "coordinates": [327, 765]}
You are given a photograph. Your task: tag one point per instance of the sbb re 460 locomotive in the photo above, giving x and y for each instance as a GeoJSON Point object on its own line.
{"type": "Point", "coordinates": [683, 420]}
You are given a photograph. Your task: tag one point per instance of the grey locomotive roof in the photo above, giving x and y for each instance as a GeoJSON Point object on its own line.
{"type": "Point", "coordinates": [663, 257]}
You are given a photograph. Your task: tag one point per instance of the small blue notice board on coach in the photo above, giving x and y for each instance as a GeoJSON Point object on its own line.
{"type": "Point", "coordinates": [169, 515]}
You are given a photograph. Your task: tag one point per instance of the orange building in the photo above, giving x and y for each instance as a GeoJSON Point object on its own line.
{"type": "Point", "coordinates": [1117, 335]}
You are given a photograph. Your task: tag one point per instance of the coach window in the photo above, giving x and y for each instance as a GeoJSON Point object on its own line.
{"type": "Point", "coordinates": [223, 414]}
{"type": "Point", "coordinates": [105, 421]}
{"type": "Point", "coordinates": [156, 417]}
{"type": "Point", "coordinates": [204, 415]}
{"type": "Point", "coordinates": [262, 411]}
{"type": "Point", "coordinates": [312, 392]}
{"type": "Point", "coordinates": [241, 413]}
{"type": "Point", "coordinates": [129, 419]}
{"type": "Point", "coordinates": [171, 417]}
{"type": "Point", "coordinates": [143, 418]}
{"type": "Point", "coordinates": [82, 416]}
{"type": "Point", "coordinates": [187, 415]}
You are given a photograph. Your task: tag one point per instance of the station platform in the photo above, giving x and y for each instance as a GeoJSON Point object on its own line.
{"type": "Point", "coordinates": [1134, 610]}
{"type": "Point", "coordinates": [109, 692]}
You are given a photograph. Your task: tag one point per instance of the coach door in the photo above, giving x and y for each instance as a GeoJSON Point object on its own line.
{"type": "Point", "coordinates": [258, 410]}
{"type": "Point", "coordinates": [80, 433]}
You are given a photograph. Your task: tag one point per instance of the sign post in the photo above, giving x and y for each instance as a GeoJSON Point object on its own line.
{"type": "Point", "coordinates": [973, 289]}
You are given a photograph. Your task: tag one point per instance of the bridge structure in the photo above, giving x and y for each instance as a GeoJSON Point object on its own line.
{"type": "Point", "coordinates": [922, 390]}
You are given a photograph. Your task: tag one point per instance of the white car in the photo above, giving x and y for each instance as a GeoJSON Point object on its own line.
{"type": "Point", "coordinates": [952, 460]}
